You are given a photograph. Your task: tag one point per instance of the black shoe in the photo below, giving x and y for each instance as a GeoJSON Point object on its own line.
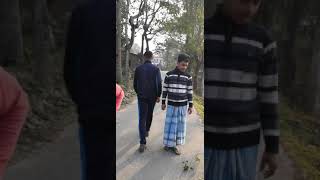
{"type": "Point", "coordinates": [142, 148]}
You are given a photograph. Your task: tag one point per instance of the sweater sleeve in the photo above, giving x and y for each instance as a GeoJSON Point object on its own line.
{"type": "Point", "coordinates": [165, 90]}
{"type": "Point", "coordinates": [119, 97]}
{"type": "Point", "coordinates": [158, 83]}
{"type": "Point", "coordinates": [135, 81]}
{"type": "Point", "coordinates": [190, 92]}
{"type": "Point", "coordinates": [268, 97]}
{"type": "Point", "coordinates": [14, 109]}
{"type": "Point", "coordinates": [72, 48]}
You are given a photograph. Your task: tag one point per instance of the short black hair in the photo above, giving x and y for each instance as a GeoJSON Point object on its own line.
{"type": "Point", "coordinates": [183, 58]}
{"type": "Point", "coordinates": [148, 54]}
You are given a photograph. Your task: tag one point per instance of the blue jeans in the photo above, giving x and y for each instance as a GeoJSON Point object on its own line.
{"type": "Point", "coordinates": [235, 164]}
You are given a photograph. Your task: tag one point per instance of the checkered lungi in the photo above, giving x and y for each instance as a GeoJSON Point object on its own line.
{"type": "Point", "coordinates": [234, 164]}
{"type": "Point", "coordinates": [175, 126]}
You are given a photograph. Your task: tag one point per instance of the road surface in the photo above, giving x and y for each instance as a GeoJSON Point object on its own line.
{"type": "Point", "coordinates": [61, 159]}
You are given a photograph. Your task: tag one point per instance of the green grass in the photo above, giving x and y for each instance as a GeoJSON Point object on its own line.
{"type": "Point", "coordinates": [300, 138]}
{"type": "Point", "coordinates": [198, 105]}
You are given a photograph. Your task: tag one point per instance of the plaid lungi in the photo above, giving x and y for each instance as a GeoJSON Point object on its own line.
{"type": "Point", "coordinates": [235, 164]}
{"type": "Point", "coordinates": [175, 126]}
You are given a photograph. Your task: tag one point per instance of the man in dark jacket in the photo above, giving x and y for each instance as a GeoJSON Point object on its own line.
{"type": "Point", "coordinates": [147, 84]}
{"type": "Point", "coordinates": [241, 94]}
{"type": "Point", "coordinates": [89, 54]}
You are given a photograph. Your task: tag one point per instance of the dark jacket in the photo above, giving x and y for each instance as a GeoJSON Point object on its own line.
{"type": "Point", "coordinates": [241, 85]}
{"type": "Point", "coordinates": [90, 58]}
{"type": "Point", "coordinates": [147, 81]}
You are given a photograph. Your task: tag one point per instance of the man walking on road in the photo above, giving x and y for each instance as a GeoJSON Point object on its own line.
{"type": "Point", "coordinates": [178, 89]}
{"type": "Point", "coordinates": [147, 85]}
{"type": "Point", "coordinates": [91, 84]}
{"type": "Point", "coordinates": [241, 94]}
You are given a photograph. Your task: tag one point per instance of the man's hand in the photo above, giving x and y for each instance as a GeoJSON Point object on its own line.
{"type": "Point", "coordinates": [163, 107]}
{"type": "Point", "coordinates": [190, 110]}
{"type": "Point", "coordinates": [268, 164]}
{"type": "Point", "coordinates": [158, 99]}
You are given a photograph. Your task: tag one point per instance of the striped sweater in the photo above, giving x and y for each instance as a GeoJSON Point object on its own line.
{"type": "Point", "coordinates": [241, 85]}
{"type": "Point", "coordinates": [177, 87]}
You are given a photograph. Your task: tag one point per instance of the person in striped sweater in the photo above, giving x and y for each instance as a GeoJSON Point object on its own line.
{"type": "Point", "coordinates": [177, 88]}
{"type": "Point", "coordinates": [240, 94]}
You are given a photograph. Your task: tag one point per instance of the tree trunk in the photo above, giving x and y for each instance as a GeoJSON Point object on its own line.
{"type": "Point", "coordinates": [147, 43]}
{"type": "Point", "coordinates": [42, 43]}
{"type": "Point", "coordinates": [118, 43]}
{"type": "Point", "coordinates": [11, 43]}
{"type": "Point", "coordinates": [142, 45]}
{"type": "Point", "coordinates": [314, 86]}
{"type": "Point", "coordinates": [127, 50]}
{"type": "Point", "coordinates": [288, 65]}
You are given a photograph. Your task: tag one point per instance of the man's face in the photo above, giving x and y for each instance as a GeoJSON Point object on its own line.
{"type": "Point", "coordinates": [242, 11]}
{"type": "Point", "coordinates": [182, 66]}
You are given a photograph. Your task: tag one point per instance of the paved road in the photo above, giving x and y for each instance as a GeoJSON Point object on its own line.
{"type": "Point", "coordinates": [60, 160]}
{"type": "Point", "coordinates": [155, 163]}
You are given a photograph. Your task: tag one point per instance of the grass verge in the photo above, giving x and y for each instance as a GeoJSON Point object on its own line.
{"type": "Point", "coordinates": [199, 106]}
{"type": "Point", "coordinates": [301, 140]}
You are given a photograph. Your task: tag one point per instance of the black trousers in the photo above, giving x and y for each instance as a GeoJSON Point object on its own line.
{"type": "Point", "coordinates": [146, 107]}
{"type": "Point", "coordinates": [97, 148]}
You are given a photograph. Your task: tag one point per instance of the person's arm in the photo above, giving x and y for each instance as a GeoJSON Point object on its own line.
{"type": "Point", "coordinates": [119, 97]}
{"type": "Point", "coordinates": [165, 90]}
{"type": "Point", "coordinates": [159, 83]}
{"type": "Point", "coordinates": [190, 92]}
{"type": "Point", "coordinates": [135, 81]}
{"type": "Point", "coordinates": [14, 108]}
{"type": "Point", "coordinates": [72, 49]}
{"type": "Point", "coordinates": [268, 97]}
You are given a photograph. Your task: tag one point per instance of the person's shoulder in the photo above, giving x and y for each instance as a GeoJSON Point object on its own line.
{"type": "Point", "coordinates": [118, 88]}
{"type": "Point", "coordinates": [211, 25]}
{"type": "Point", "coordinates": [80, 8]}
{"type": "Point", "coordinates": [154, 66]}
{"type": "Point", "coordinates": [138, 67]}
{"type": "Point", "coordinates": [263, 33]}
{"type": "Point", "coordinates": [170, 72]}
{"type": "Point", "coordinates": [188, 75]}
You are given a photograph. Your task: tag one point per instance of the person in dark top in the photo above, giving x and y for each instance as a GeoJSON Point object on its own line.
{"type": "Point", "coordinates": [147, 85]}
{"type": "Point", "coordinates": [240, 94]}
{"type": "Point", "coordinates": [177, 88]}
{"type": "Point", "coordinates": [89, 54]}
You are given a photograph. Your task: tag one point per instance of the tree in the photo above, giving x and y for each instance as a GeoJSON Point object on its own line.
{"type": "Point", "coordinates": [133, 21]}
{"type": "Point", "coordinates": [11, 44]}
{"type": "Point", "coordinates": [118, 43]}
{"type": "Point", "coordinates": [156, 13]}
{"type": "Point", "coordinates": [42, 42]}
{"type": "Point", "coordinates": [190, 24]}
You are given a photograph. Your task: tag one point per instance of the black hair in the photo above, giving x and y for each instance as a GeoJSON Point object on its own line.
{"type": "Point", "coordinates": [148, 54]}
{"type": "Point", "coordinates": [183, 58]}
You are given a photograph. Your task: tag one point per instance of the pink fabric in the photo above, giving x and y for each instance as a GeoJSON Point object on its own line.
{"type": "Point", "coordinates": [119, 96]}
{"type": "Point", "coordinates": [14, 108]}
